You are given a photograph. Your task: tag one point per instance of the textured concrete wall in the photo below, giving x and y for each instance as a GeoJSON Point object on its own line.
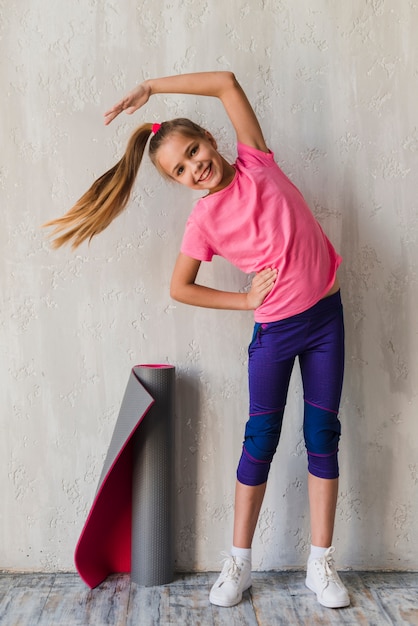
{"type": "Point", "coordinates": [335, 87]}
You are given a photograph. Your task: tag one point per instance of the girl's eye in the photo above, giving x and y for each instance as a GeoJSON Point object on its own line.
{"type": "Point", "coordinates": [180, 171]}
{"type": "Point", "coordinates": [193, 151]}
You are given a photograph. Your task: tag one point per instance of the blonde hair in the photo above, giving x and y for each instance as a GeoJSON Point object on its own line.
{"type": "Point", "coordinates": [109, 194]}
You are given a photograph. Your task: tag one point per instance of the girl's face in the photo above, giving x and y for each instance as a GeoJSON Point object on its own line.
{"type": "Point", "coordinates": [194, 162]}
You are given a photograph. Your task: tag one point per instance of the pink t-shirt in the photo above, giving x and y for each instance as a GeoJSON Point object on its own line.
{"type": "Point", "coordinates": [262, 220]}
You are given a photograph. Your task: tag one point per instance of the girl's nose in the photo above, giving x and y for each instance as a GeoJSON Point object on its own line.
{"type": "Point", "coordinates": [197, 164]}
{"type": "Point", "coordinates": [197, 167]}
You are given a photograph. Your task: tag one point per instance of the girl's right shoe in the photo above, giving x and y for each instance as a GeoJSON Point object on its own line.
{"type": "Point", "coordinates": [234, 579]}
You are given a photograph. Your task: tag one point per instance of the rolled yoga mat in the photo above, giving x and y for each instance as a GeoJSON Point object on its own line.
{"type": "Point", "coordinates": [129, 527]}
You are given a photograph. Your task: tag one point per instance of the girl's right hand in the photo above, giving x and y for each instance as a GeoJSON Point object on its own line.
{"type": "Point", "coordinates": [262, 284]}
{"type": "Point", "coordinates": [133, 101]}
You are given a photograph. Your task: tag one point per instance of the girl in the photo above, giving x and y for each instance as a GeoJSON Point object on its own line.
{"type": "Point", "coordinates": [255, 217]}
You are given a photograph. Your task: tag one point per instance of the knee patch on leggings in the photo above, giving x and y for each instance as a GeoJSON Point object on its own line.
{"type": "Point", "coordinates": [252, 472]}
{"type": "Point", "coordinates": [322, 430]}
{"type": "Point", "coordinates": [323, 465]}
{"type": "Point", "coordinates": [262, 434]}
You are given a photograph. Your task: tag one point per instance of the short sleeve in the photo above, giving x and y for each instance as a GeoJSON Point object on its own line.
{"type": "Point", "coordinates": [194, 243]}
{"type": "Point", "coordinates": [251, 157]}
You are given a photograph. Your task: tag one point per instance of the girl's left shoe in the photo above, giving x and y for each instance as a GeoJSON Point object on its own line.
{"type": "Point", "coordinates": [322, 578]}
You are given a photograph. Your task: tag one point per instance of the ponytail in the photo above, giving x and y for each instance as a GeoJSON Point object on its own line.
{"type": "Point", "coordinates": [106, 198]}
{"type": "Point", "coordinates": [109, 195]}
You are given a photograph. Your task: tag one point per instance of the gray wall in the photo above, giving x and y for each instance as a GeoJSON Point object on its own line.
{"type": "Point", "coordinates": [335, 87]}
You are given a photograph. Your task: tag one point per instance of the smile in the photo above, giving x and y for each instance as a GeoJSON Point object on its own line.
{"type": "Point", "coordinates": [207, 172]}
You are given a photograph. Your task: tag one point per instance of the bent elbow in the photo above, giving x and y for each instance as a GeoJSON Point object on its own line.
{"type": "Point", "coordinates": [172, 292]}
{"type": "Point", "coordinates": [231, 80]}
{"type": "Point", "coordinates": [175, 292]}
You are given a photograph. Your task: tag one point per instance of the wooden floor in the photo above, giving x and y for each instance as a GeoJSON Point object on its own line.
{"type": "Point", "coordinates": [275, 598]}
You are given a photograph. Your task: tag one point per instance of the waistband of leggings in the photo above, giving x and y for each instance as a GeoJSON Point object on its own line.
{"type": "Point", "coordinates": [328, 303]}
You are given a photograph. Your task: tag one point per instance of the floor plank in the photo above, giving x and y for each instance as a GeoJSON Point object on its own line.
{"type": "Point", "coordinates": [276, 598]}
{"type": "Point", "coordinates": [71, 602]}
{"type": "Point", "coordinates": [189, 600]}
{"type": "Point", "coordinates": [148, 606]}
{"type": "Point", "coordinates": [273, 602]}
{"type": "Point", "coordinates": [401, 605]}
{"type": "Point", "coordinates": [23, 602]}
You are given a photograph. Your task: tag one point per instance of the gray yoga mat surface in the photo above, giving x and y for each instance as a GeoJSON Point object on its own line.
{"type": "Point", "coordinates": [129, 527]}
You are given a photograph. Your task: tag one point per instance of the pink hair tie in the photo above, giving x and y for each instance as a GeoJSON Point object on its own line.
{"type": "Point", "coordinates": [155, 128]}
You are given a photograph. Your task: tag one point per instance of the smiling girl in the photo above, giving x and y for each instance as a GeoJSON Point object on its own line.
{"type": "Point", "coordinates": [256, 218]}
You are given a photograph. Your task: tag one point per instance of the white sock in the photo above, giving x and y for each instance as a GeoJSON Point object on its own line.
{"type": "Point", "coordinates": [317, 552]}
{"type": "Point", "coordinates": [243, 553]}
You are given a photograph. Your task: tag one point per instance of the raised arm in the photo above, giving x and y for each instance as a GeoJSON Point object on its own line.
{"type": "Point", "coordinates": [184, 288]}
{"type": "Point", "coordinates": [222, 85]}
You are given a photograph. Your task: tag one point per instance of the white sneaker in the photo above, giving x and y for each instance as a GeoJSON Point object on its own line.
{"type": "Point", "coordinates": [322, 579]}
{"type": "Point", "coordinates": [234, 579]}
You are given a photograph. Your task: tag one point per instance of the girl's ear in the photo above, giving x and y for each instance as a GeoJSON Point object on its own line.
{"type": "Point", "coordinates": [211, 139]}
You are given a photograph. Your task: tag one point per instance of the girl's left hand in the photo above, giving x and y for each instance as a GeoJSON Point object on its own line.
{"type": "Point", "coordinates": [262, 284]}
{"type": "Point", "coordinates": [133, 101]}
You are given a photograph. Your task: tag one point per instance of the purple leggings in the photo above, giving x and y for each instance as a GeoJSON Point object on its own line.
{"type": "Point", "coordinates": [316, 336]}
